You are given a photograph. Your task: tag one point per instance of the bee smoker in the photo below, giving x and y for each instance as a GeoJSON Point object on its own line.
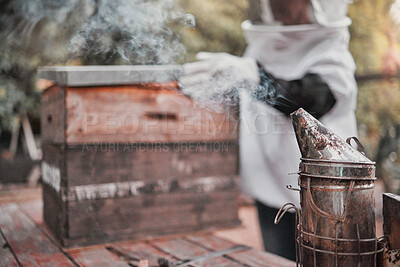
{"type": "Point", "coordinates": [336, 222]}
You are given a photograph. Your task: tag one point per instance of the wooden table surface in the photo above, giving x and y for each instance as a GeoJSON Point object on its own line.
{"type": "Point", "coordinates": [25, 241]}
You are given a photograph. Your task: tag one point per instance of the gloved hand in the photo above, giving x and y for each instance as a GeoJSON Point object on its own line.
{"type": "Point", "coordinates": [217, 77]}
{"type": "Point", "coordinates": [218, 74]}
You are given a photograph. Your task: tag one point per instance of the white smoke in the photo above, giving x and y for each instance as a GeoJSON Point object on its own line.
{"type": "Point", "coordinates": [138, 31]}
{"type": "Point", "coordinates": [101, 31]}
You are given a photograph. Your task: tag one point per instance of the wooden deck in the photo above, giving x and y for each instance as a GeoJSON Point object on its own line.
{"type": "Point", "coordinates": [25, 241]}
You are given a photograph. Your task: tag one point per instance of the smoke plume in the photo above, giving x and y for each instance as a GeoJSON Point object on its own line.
{"type": "Point", "coordinates": [97, 31]}
{"type": "Point", "coordinates": [136, 31]}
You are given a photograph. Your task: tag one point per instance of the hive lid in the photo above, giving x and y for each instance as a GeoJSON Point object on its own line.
{"type": "Point", "coordinates": [109, 75]}
{"type": "Point", "coordinates": [316, 141]}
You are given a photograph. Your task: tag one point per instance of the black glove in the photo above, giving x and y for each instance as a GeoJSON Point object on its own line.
{"type": "Point", "coordinates": [310, 93]}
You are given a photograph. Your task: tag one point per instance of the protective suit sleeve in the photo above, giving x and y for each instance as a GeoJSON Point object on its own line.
{"type": "Point", "coordinates": [310, 92]}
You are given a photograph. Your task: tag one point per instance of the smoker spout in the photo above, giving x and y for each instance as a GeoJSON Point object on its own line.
{"type": "Point", "coordinates": [316, 141]}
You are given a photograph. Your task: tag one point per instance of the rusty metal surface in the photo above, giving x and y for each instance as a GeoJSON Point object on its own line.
{"type": "Point", "coordinates": [391, 258]}
{"type": "Point", "coordinates": [337, 222]}
{"type": "Point", "coordinates": [337, 219]}
{"type": "Point", "coordinates": [337, 171]}
{"type": "Point", "coordinates": [318, 142]}
{"type": "Point", "coordinates": [342, 170]}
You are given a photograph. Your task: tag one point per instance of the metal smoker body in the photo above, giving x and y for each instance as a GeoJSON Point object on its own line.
{"type": "Point", "coordinates": [337, 217]}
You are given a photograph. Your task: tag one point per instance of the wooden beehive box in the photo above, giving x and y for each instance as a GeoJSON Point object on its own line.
{"type": "Point", "coordinates": [127, 156]}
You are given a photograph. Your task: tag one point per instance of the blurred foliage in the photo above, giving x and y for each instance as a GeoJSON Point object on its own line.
{"type": "Point", "coordinates": [29, 38]}
{"type": "Point", "coordinates": [378, 109]}
{"type": "Point", "coordinates": [378, 106]}
{"type": "Point", "coordinates": [371, 21]}
{"type": "Point", "coordinates": [217, 26]}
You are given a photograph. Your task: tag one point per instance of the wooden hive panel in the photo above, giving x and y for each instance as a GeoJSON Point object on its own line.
{"type": "Point", "coordinates": [98, 196]}
{"type": "Point", "coordinates": [130, 114]}
{"type": "Point", "coordinates": [53, 115]}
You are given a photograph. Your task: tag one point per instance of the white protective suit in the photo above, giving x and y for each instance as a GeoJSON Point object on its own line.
{"type": "Point", "coordinates": [268, 147]}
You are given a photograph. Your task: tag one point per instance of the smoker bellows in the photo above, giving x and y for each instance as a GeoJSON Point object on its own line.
{"type": "Point", "coordinates": [337, 220]}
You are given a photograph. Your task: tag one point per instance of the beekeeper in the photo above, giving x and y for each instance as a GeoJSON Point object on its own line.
{"type": "Point", "coordinates": [297, 56]}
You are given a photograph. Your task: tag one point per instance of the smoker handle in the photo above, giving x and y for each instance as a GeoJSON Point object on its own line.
{"type": "Point", "coordinates": [298, 236]}
{"type": "Point", "coordinates": [284, 209]}
{"type": "Point", "coordinates": [360, 146]}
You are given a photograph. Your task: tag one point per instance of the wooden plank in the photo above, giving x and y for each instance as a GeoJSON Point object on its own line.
{"type": "Point", "coordinates": [210, 241]}
{"type": "Point", "coordinates": [52, 116]}
{"type": "Point", "coordinates": [98, 257]}
{"type": "Point", "coordinates": [14, 138]}
{"type": "Point", "coordinates": [171, 212]}
{"type": "Point", "coordinates": [251, 257]}
{"type": "Point", "coordinates": [138, 189]}
{"type": "Point", "coordinates": [111, 163]}
{"type": "Point", "coordinates": [29, 244]}
{"type": "Point", "coordinates": [249, 232]}
{"type": "Point", "coordinates": [131, 114]}
{"type": "Point", "coordinates": [34, 176]}
{"type": "Point", "coordinates": [34, 210]}
{"type": "Point", "coordinates": [54, 180]}
{"type": "Point", "coordinates": [29, 138]}
{"type": "Point", "coordinates": [6, 256]}
{"type": "Point", "coordinates": [184, 249]}
{"type": "Point", "coordinates": [126, 235]}
{"type": "Point", "coordinates": [391, 219]}
{"type": "Point", "coordinates": [116, 74]}
{"type": "Point", "coordinates": [19, 193]}
{"type": "Point", "coordinates": [53, 166]}
{"type": "Point", "coordinates": [145, 251]}
{"type": "Point", "coordinates": [54, 212]}
{"type": "Point", "coordinates": [255, 258]}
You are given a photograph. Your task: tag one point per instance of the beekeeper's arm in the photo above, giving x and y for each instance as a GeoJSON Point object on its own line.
{"type": "Point", "coordinates": [221, 73]}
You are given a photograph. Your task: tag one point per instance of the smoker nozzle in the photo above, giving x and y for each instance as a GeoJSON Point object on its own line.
{"type": "Point", "coordinates": [316, 141]}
